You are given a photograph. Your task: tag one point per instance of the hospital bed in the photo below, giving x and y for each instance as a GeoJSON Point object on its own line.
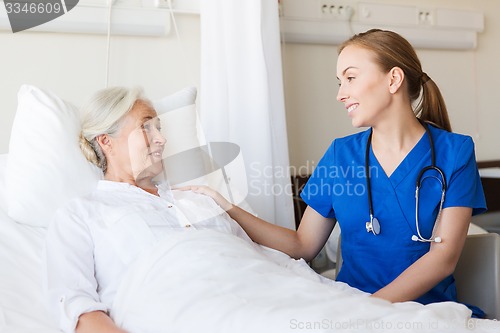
{"type": "Point", "coordinates": [490, 177]}
{"type": "Point", "coordinates": [229, 288]}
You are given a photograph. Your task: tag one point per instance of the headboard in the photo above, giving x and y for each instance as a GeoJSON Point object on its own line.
{"type": "Point", "coordinates": [490, 177]}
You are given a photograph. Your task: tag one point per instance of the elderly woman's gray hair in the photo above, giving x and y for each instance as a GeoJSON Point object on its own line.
{"type": "Point", "coordinates": [103, 115]}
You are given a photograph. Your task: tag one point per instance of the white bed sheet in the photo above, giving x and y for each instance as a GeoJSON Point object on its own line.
{"type": "Point", "coordinates": [22, 308]}
{"type": "Point", "coordinates": [3, 164]}
{"type": "Point", "coordinates": [232, 287]}
{"type": "Point", "coordinates": [21, 299]}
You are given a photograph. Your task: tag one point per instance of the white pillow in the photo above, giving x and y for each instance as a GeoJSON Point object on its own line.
{"type": "Point", "coordinates": [3, 165]}
{"type": "Point", "coordinates": [45, 167]}
{"type": "Point", "coordinates": [179, 121]}
{"type": "Point", "coordinates": [179, 128]}
{"type": "Point", "coordinates": [179, 99]}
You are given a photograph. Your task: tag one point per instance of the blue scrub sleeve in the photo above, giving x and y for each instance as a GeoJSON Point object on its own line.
{"type": "Point", "coordinates": [319, 188]}
{"type": "Point", "coordinates": [464, 186]}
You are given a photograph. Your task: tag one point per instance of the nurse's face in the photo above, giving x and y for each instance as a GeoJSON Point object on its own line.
{"type": "Point", "coordinates": [139, 144]}
{"type": "Point", "coordinates": [364, 88]}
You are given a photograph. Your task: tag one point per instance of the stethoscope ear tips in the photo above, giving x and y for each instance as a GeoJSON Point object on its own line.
{"type": "Point", "coordinates": [414, 238]}
{"type": "Point", "coordinates": [437, 239]}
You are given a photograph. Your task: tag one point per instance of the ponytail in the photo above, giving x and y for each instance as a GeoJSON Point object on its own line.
{"type": "Point", "coordinates": [432, 107]}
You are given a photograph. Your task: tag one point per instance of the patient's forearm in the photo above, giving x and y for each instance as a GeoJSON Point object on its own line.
{"type": "Point", "coordinates": [96, 322]}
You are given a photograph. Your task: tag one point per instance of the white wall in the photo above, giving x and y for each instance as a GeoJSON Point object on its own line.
{"type": "Point", "coordinates": [469, 81]}
{"type": "Point", "coordinates": [74, 65]}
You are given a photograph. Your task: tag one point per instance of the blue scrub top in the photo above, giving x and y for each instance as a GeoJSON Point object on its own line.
{"type": "Point", "coordinates": [337, 189]}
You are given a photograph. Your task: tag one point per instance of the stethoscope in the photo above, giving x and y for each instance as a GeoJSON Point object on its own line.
{"type": "Point", "coordinates": [374, 225]}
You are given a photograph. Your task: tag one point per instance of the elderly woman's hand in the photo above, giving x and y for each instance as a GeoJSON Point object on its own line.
{"type": "Point", "coordinates": [208, 191]}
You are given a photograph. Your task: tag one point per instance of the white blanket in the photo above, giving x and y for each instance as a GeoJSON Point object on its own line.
{"type": "Point", "coordinates": [205, 281]}
{"type": "Point", "coordinates": [22, 303]}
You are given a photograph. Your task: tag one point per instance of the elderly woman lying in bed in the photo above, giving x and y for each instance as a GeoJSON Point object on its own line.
{"type": "Point", "coordinates": [134, 256]}
{"type": "Point", "coordinates": [93, 240]}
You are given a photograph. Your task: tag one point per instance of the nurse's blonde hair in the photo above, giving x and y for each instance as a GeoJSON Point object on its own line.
{"type": "Point", "coordinates": [103, 114]}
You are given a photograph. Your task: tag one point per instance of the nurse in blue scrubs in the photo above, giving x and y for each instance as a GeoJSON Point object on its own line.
{"type": "Point", "coordinates": [397, 245]}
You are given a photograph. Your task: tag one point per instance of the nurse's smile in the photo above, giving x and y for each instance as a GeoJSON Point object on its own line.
{"type": "Point", "coordinates": [352, 107]}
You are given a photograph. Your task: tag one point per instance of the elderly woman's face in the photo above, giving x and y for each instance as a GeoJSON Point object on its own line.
{"type": "Point", "coordinates": [139, 144]}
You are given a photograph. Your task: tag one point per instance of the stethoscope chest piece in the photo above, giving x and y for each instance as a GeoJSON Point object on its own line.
{"type": "Point", "coordinates": [373, 225]}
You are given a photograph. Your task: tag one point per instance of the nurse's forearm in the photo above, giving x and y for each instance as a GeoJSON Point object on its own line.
{"type": "Point", "coordinates": [436, 264]}
{"type": "Point", "coordinates": [260, 231]}
{"type": "Point", "coordinates": [95, 322]}
{"type": "Point", "coordinates": [267, 234]}
{"type": "Point", "coordinates": [305, 243]}
{"type": "Point", "coordinates": [419, 278]}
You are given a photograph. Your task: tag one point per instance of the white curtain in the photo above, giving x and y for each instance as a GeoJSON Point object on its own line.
{"type": "Point", "coordinates": [242, 99]}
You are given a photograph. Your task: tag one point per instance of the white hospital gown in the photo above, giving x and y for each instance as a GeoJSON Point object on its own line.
{"type": "Point", "coordinates": [93, 240]}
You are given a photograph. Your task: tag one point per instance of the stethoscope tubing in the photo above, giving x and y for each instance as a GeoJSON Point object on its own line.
{"type": "Point", "coordinates": [370, 224]}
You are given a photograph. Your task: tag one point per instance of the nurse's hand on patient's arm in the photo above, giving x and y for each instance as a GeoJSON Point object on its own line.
{"type": "Point", "coordinates": [96, 322]}
{"type": "Point", "coordinates": [305, 243]}
{"type": "Point", "coordinates": [436, 264]}
{"type": "Point", "coordinates": [216, 196]}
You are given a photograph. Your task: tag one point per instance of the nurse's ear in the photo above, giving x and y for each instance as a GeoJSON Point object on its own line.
{"type": "Point", "coordinates": [396, 78]}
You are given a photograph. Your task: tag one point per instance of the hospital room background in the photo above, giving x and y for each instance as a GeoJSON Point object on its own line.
{"type": "Point", "coordinates": [74, 65]}
{"type": "Point", "coordinates": [267, 89]}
